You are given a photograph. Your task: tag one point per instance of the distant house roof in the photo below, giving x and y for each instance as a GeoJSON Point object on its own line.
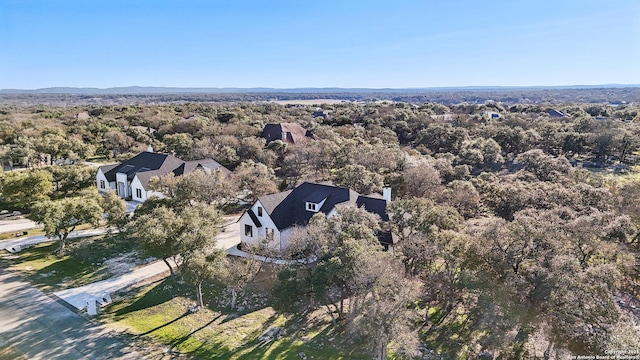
{"type": "Point", "coordinates": [321, 113]}
{"type": "Point", "coordinates": [83, 115]}
{"type": "Point", "coordinates": [288, 208]}
{"type": "Point", "coordinates": [288, 132]}
{"type": "Point", "coordinates": [556, 113]}
{"type": "Point", "coordinates": [207, 165]}
{"type": "Point", "coordinates": [149, 164]}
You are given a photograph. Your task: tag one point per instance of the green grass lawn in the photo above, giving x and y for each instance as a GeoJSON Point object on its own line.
{"type": "Point", "coordinates": [37, 231]}
{"type": "Point", "coordinates": [83, 262]}
{"type": "Point", "coordinates": [157, 314]}
{"type": "Point", "coordinates": [12, 234]}
{"type": "Point", "coordinates": [215, 332]}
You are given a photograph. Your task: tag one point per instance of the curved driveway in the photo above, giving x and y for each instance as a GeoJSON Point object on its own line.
{"type": "Point", "coordinates": [41, 328]}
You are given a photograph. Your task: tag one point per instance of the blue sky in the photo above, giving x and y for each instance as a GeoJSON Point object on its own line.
{"type": "Point", "coordinates": [329, 43]}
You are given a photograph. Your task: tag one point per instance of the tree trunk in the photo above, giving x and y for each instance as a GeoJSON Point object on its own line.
{"type": "Point", "coordinates": [547, 352]}
{"type": "Point", "coordinates": [333, 318]}
{"type": "Point", "coordinates": [381, 351]}
{"type": "Point", "coordinates": [63, 243]}
{"type": "Point", "coordinates": [62, 246]}
{"type": "Point", "coordinates": [199, 293]}
{"type": "Point", "coordinates": [234, 297]}
{"type": "Point", "coordinates": [170, 269]}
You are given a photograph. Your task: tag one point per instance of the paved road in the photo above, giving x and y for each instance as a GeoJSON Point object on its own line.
{"type": "Point", "coordinates": [17, 224]}
{"type": "Point", "coordinates": [41, 328]}
{"type": "Point", "coordinates": [78, 297]}
{"type": "Point", "coordinates": [13, 245]}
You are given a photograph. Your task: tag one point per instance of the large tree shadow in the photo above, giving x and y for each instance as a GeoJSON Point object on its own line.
{"type": "Point", "coordinates": [153, 297]}
{"type": "Point", "coordinates": [167, 324]}
{"type": "Point", "coordinates": [179, 341]}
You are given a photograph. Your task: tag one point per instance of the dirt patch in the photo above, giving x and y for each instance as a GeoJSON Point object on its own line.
{"type": "Point", "coordinates": [125, 263]}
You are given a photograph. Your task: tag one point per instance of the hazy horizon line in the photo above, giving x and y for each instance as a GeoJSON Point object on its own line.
{"type": "Point", "coordinates": [327, 88]}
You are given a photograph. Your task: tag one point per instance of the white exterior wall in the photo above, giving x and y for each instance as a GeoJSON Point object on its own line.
{"type": "Point", "coordinates": [107, 185]}
{"type": "Point", "coordinates": [259, 233]}
{"type": "Point", "coordinates": [146, 194]}
{"type": "Point", "coordinates": [136, 184]}
{"type": "Point", "coordinates": [122, 178]}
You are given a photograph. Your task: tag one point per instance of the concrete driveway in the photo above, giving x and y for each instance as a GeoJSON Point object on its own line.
{"type": "Point", "coordinates": [100, 291]}
{"type": "Point", "coordinates": [15, 245]}
{"type": "Point", "coordinates": [40, 328]}
{"type": "Point", "coordinates": [229, 235]}
{"type": "Point", "coordinates": [91, 295]}
{"type": "Point", "coordinates": [17, 224]}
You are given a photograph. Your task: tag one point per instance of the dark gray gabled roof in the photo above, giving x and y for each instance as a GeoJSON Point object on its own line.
{"type": "Point", "coordinates": [287, 132]}
{"type": "Point", "coordinates": [269, 202]}
{"type": "Point", "coordinates": [374, 205]}
{"type": "Point", "coordinates": [106, 168]}
{"type": "Point", "coordinates": [254, 218]}
{"type": "Point", "coordinates": [288, 208]}
{"type": "Point", "coordinates": [291, 208]}
{"type": "Point", "coordinates": [206, 164]}
{"type": "Point", "coordinates": [149, 164]}
{"type": "Point", "coordinates": [145, 161]}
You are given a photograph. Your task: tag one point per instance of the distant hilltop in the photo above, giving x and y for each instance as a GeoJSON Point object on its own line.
{"type": "Point", "coordinates": [67, 96]}
{"type": "Point", "coordinates": [212, 90]}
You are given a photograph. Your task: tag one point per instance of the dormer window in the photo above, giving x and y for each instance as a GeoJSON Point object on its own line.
{"type": "Point", "coordinates": [312, 207]}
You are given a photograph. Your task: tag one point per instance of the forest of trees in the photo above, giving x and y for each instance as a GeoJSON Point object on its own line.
{"type": "Point", "coordinates": [518, 235]}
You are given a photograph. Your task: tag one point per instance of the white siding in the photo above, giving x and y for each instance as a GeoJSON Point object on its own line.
{"type": "Point", "coordinates": [137, 185]}
{"type": "Point", "coordinates": [100, 177]}
{"type": "Point", "coordinates": [146, 194]}
{"type": "Point", "coordinates": [259, 233]}
{"type": "Point", "coordinates": [122, 178]}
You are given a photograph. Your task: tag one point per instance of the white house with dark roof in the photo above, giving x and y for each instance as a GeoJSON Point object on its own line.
{"type": "Point", "coordinates": [130, 179]}
{"type": "Point", "coordinates": [271, 218]}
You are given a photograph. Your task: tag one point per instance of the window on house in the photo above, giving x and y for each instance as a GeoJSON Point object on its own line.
{"type": "Point", "coordinates": [138, 193]}
{"type": "Point", "coordinates": [312, 207]}
{"type": "Point", "coordinates": [102, 184]}
{"type": "Point", "coordinates": [248, 230]}
{"type": "Point", "coordinates": [259, 210]}
{"type": "Point", "coordinates": [269, 233]}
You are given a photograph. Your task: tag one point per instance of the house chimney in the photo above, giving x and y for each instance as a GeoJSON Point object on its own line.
{"type": "Point", "coordinates": [149, 148]}
{"type": "Point", "coordinates": [386, 193]}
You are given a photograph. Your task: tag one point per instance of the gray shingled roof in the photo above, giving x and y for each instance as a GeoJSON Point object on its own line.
{"type": "Point", "coordinates": [288, 208]}
{"type": "Point", "coordinates": [292, 132]}
{"type": "Point", "coordinates": [149, 164]}
{"type": "Point", "coordinates": [207, 164]}
{"type": "Point", "coordinates": [269, 202]}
